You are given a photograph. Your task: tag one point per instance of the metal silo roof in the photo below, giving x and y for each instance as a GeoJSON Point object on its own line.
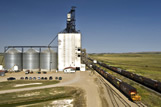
{"type": "Point", "coordinates": [13, 50]}
{"type": "Point", "coordinates": [31, 51]}
{"type": "Point", "coordinates": [48, 51]}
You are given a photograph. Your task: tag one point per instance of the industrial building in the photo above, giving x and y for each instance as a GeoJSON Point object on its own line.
{"type": "Point", "coordinates": [69, 50]}
{"type": "Point", "coordinates": [34, 59]}
{"type": "Point", "coordinates": [31, 59]}
{"type": "Point", "coordinates": [69, 44]}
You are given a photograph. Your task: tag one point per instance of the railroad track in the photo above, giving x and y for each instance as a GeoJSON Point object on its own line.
{"type": "Point", "coordinates": [113, 95]}
{"type": "Point", "coordinates": [148, 83]}
{"type": "Point", "coordinates": [140, 104]}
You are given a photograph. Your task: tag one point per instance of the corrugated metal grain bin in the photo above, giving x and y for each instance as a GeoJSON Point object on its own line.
{"type": "Point", "coordinates": [12, 58]}
{"type": "Point", "coordinates": [48, 60]}
{"type": "Point", "coordinates": [31, 60]}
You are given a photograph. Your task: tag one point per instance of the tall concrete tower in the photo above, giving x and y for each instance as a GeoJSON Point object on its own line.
{"type": "Point", "coordinates": [69, 44]}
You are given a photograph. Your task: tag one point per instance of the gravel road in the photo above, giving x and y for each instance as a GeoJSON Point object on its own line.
{"type": "Point", "coordinates": [96, 94]}
{"type": "Point", "coordinates": [65, 83]}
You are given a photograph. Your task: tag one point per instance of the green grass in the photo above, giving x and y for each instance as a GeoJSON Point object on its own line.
{"type": "Point", "coordinates": [148, 65]}
{"type": "Point", "coordinates": [145, 64]}
{"type": "Point", "coordinates": [10, 84]}
{"type": "Point", "coordinates": [1, 57]}
{"type": "Point", "coordinates": [43, 97]}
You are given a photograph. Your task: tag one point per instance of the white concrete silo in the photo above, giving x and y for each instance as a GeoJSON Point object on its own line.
{"type": "Point", "coordinates": [69, 44]}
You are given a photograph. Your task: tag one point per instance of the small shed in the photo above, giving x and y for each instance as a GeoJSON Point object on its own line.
{"type": "Point", "coordinates": [2, 73]}
{"type": "Point", "coordinates": [69, 69]}
{"type": "Point", "coordinates": [83, 67]}
{"type": "Point", "coordinates": [1, 67]}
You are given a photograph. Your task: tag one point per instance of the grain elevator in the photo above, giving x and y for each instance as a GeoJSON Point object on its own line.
{"type": "Point", "coordinates": [49, 58]}
{"type": "Point", "coordinates": [69, 44]}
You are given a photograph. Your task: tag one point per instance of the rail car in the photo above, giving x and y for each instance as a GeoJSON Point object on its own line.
{"type": "Point", "coordinates": [125, 88]}
{"type": "Point", "coordinates": [153, 84]}
{"type": "Point", "coordinates": [159, 86]}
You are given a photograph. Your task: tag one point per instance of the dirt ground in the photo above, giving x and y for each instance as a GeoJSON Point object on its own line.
{"type": "Point", "coordinates": [96, 94]}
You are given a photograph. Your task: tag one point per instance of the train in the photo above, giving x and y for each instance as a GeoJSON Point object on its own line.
{"type": "Point", "coordinates": [150, 83]}
{"type": "Point", "coordinates": [125, 88]}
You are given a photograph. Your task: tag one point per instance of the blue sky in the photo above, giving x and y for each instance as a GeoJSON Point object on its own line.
{"type": "Point", "coordinates": [106, 25]}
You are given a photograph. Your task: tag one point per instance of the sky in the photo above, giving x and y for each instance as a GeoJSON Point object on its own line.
{"type": "Point", "coordinates": [107, 26]}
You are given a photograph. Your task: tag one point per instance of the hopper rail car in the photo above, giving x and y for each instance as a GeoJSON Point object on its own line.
{"type": "Point", "coordinates": [114, 95]}
{"type": "Point", "coordinates": [125, 88]}
{"type": "Point", "coordinates": [150, 83]}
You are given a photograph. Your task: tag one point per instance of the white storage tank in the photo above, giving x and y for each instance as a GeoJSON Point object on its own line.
{"type": "Point", "coordinates": [31, 60]}
{"type": "Point", "coordinates": [12, 57]}
{"type": "Point", "coordinates": [15, 68]}
{"type": "Point", "coordinates": [48, 60]}
{"type": "Point", "coordinates": [1, 67]}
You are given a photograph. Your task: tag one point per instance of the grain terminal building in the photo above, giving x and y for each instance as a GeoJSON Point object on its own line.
{"type": "Point", "coordinates": [49, 58]}
{"type": "Point", "coordinates": [69, 44]}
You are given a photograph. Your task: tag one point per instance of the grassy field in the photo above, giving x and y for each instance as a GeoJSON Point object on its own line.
{"type": "Point", "coordinates": [43, 97]}
{"type": "Point", "coordinates": [1, 57]}
{"type": "Point", "coordinates": [145, 64]}
{"type": "Point", "coordinates": [11, 84]}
